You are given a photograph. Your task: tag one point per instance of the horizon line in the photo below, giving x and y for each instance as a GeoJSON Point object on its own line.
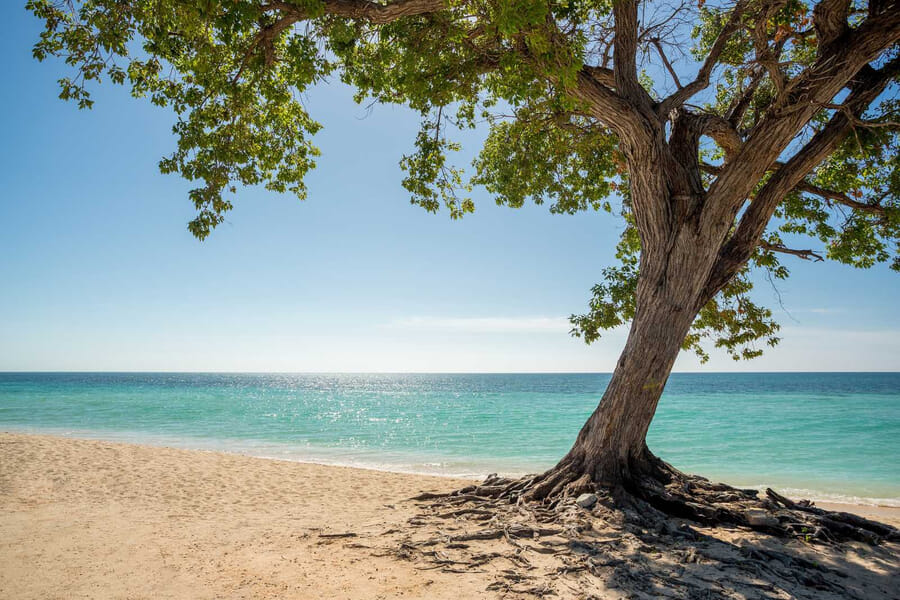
{"type": "Point", "coordinates": [223, 372]}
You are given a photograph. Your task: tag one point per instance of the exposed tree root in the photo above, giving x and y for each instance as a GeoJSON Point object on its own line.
{"type": "Point", "coordinates": [646, 540]}
{"type": "Point", "coordinates": [660, 492]}
{"type": "Point", "coordinates": [659, 512]}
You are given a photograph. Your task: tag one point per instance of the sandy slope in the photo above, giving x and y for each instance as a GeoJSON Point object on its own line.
{"type": "Point", "coordinates": [89, 519]}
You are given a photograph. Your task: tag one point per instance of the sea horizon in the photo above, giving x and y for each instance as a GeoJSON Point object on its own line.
{"type": "Point", "coordinates": [826, 436]}
{"type": "Point", "coordinates": [240, 372]}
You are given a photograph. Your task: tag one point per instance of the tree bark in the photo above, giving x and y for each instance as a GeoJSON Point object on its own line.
{"type": "Point", "coordinates": [610, 449]}
{"type": "Point", "coordinates": [611, 446]}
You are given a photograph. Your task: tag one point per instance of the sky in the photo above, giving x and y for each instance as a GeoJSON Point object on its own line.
{"type": "Point", "coordinates": [98, 271]}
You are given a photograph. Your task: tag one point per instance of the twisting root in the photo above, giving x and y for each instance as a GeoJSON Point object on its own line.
{"type": "Point", "coordinates": [695, 498]}
{"type": "Point", "coordinates": [594, 547]}
{"type": "Point", "coordinates": [671, 493]}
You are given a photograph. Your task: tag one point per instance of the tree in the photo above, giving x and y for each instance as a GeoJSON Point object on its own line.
{"type": "Point", "coordinates": [721, 132]}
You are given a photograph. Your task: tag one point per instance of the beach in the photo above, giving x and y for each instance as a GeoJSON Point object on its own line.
{"type": "Point", "coordinates": [88, 519]}
{"type": "Point", "coordinates": [94, 519]}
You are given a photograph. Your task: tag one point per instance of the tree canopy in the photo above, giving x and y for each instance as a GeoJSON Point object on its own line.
{"type": "Point", "coordinates": [778, 118]}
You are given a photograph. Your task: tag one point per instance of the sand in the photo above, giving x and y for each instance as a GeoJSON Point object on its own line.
{"type": "Point", "coordinates": [92, 519]}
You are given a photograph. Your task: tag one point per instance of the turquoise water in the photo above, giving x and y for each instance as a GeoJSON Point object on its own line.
{"type": "Point", "coordinates": [830, 436]}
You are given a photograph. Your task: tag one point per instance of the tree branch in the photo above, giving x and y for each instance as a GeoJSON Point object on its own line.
{"type": "Point", "coordinates": [768, 57]}
{"type": "Point", "coordinates": [865, 88]}
{"type": "Point", "coordinates": [668, 65]}
{"type": "Point", "coordinates": [722, 132]}
{"type": "Point", "coordinates": [741, 103]}
{"type": "Point", "coordinates": [815, 86]}
{"type": "Point", "coordinates": [841, 198]}
{"type": "Point", "coordinates": [625, 44]}
{"type": "Point", "coordinates": [809, 188]}
{"type": "Point", "coordinates": [804, 254]}
{"type": "Point", "coordinates": [830, 21]}
{"type": "Point", "coordinates": [605, 105]}
{"type": "Point", "coordinates": [596, 87]}
{"type": "Point", "coordinates": [601, 75]}
{"type": "Point", "coordinates": [862, 122]}
{"type": "Point", "coordinates": [377, 14]}
{"type": "Point", "coordinates": [699, 84]}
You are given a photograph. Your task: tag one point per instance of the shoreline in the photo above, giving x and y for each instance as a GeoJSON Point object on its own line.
{"type": "Point", "coordinates": [832, 501]}
{"type": "Point", "coordinates": [97, 519]}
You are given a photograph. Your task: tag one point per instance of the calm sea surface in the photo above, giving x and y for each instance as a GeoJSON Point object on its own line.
{"type": "Point", "coordinates": [830, 436]}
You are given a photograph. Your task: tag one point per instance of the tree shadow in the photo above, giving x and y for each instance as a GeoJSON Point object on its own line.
{"type": "Point", "coordinates": [613, 552]}
{"type": "Point", "coordinates": [731, 562]}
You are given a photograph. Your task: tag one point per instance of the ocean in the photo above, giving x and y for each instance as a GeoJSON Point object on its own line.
{"type": "Point", "coordinates": [825, 436]}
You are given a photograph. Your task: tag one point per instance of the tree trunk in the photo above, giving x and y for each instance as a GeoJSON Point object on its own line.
{"type": "Point", "coordinates": [610, 449]}
{"type": "Point", "coordinates": [680, 240]}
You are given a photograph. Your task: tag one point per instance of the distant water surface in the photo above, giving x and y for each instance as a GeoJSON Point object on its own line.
{"type": "Point", "coordinates": [829, 436]}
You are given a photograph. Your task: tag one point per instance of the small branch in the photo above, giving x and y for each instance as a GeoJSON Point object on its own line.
{"type": "Point", "coordinates": [804, 254]}
{"type": "Point", "coordinates": [265, 39]}
{"type": "Point", "coordinates": [856, 120]}
{"type": "Point", "coordinates": [662, 55]}
{"type": "Point", "coordinates": [769, 57]}
{"type": "Point", "coordinates": [741, 103]}
{"type": "Point", "coordinates": [702, 81]}
{"type": "Point", "coordinates": [809, 188]}
{"type": "Point", "coordinates": [841, 198]}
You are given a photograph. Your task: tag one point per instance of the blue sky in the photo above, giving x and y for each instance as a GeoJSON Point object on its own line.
{"type": "Point", "coordinates": [98, 270]}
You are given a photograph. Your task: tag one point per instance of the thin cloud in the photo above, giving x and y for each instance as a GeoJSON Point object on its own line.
{"type": "Point", "coordinates": [871, 336]}
{"type": "Point", "coordinates": [816, 311]}
{"type": "Point", "coordinates": [485, 324]}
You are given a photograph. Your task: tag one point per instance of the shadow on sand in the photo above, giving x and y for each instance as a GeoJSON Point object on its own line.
{"type": "Point", "coordinates": [609, 552]}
